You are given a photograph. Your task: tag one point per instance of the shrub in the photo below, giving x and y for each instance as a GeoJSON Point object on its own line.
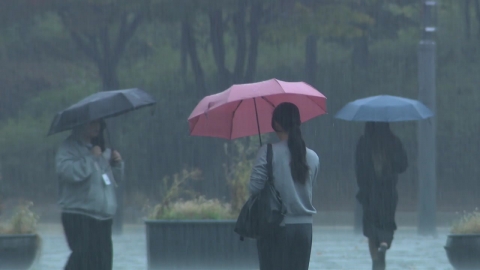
{"type": "Point", "coordinates": [199, 208]}
{"type": "Point", "coordinates": [23, 221]}
{"type": "Point", "coordinates": [242, 153]}
{"type": "Point", "coordinates": [174, 206]}
{"type": "Point", "coordinates": [469, 223]}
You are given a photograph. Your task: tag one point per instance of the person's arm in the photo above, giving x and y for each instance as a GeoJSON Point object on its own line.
{"type": "Point", "coordinates": [71, 167]}
{"type": "Point", "coordinates": [116, 164]}
{"type": "Point", "coordinates": [360, 170]}
{"type": "Point", "coordinates": [315, 173]}
{"type": "Point", "coordinates": [259, 176]}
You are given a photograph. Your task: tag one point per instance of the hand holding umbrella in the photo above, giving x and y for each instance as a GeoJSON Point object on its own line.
{"type": "Point", "coordinates": [116, 157]}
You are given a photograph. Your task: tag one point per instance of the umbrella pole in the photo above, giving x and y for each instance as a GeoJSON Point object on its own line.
{"type": "Point", "coordinates": [258, 123]}
{"type": "Point", "coordinates": [109, 138]}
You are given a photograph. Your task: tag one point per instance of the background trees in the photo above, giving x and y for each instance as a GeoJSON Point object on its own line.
{"type": "Point", "coordinates": [53, 52]}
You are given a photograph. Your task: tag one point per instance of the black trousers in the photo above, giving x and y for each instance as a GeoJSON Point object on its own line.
{"type": "Point", "coordinates": [286, 248]}
{"type": "Point", "coordinates": [90, 241]}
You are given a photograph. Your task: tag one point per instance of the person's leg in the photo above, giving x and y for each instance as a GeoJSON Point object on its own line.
{"type": "Point", "coordinates": [76, 230]}
{"type": "Point", "coordinates": [385, 223]}
{"type": "Point", "coordinates": [107, 245]}
{"type": "Point", "coordinates": [373, 247]}
{"type": "Point", "coordinates": [270, 248]}
{"type": "Point", "coordinates": [378, 258]}
{"type": "Point", "coordinates": [100, 247]}
{"type": "Point", "coordinates": [385, 244]}
{"type": "Point", "coordinates": [298, 246]}
{"type": "Point", "coordinates": [385, 231]}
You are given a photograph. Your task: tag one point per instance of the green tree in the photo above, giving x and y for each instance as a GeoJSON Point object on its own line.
{"type": "Point", "coordinates": [236, 22]}
{"type": "Point", "coordinates": [101, 30]}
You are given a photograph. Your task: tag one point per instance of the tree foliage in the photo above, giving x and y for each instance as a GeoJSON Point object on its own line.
{"type": "Point", "coordinates": [181, 50]}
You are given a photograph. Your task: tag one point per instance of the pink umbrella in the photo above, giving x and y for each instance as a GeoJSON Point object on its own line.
{"type": "Point", "coordinates": [246, 109]}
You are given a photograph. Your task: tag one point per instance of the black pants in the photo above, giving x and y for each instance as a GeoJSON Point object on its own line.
{"type": "Point", "coordinates": [90, 241]}
{"type": "Point", "coordinates": [286, 248]}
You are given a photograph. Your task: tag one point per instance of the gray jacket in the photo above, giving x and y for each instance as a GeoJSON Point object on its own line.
{"type": "Point", "coordinates": [82, 180]}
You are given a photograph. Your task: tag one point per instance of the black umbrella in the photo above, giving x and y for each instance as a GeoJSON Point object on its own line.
{"type": "Point", "coordinates": [100, 105]}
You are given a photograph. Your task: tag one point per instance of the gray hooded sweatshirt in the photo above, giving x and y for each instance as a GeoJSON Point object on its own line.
{"type": "Point", "coordinates": [86, 183]}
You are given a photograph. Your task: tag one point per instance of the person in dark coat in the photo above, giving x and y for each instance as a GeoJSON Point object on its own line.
{"type": "Point", "coordinates": [379, 159]}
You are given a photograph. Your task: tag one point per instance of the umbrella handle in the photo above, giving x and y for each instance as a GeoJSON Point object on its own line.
{"type": "Point", "coordinates": [258, 123]}
{"type": "Point", "coordinates": [109, 138]}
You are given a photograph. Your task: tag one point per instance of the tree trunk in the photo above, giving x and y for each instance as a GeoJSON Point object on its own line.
{"type": "Point", "coordinates": [218, 47]}
{"type": "Point", "coordinates": [183, 54]}
{"type": "Point", "coordinates": [239, 23]}
{"type": "Point", "coordinates": [194, 60]}
{"type": "Point", "coordinates": [109, 77]}
{"type": "Point", "coordinates": [98, 46]}
{"type": "Point", "coordinates": [247, 40]}
{"type": "Point", "coordinates": [477, 14]}
{"type": "Point", "coordinates": [467, 20]}
{"type": "Point", "coordinates": [255, 20]}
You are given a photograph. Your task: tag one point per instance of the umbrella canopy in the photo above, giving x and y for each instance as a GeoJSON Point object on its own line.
{"type": "Point", "coordinates": [246, 109]}
{"type": "Point", "coordinates": [384, 108]}
{"type": "Point", "coordinates": [99, 106]}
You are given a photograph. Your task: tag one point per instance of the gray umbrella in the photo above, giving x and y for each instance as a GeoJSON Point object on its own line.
{"type": "Point", "coordinates": [100, 105]}
{"type": "Point", "coordinates": [384, 108]}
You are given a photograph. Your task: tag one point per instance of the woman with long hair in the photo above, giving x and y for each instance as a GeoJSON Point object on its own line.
{"type": "Point", "coordinates": [379, 159]}
{"type": "Point", "coordinates": [295, 169]}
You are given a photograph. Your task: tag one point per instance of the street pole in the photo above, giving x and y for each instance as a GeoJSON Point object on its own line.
{"type": "Point", "coordinates": [427, 129]}
{"type": "Point", "coordinates": [117, 226]}
{"type": "Point", "coordinates": [113, 130]}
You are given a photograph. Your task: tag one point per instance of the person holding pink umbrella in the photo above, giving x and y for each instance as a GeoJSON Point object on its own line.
{"type": "Point", "coordinates": [272, 106]}
{"type": "Point", "coordinates": [295, 169]}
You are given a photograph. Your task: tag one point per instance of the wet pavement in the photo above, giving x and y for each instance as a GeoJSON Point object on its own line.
{"type": "Point", "coordinates": [333, 248]}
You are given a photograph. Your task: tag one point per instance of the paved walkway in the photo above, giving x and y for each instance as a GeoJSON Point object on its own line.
{"type": "Point", "coordinates": [333, 248]}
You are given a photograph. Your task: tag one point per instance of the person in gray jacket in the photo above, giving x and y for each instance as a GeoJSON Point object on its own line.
{"type": "Point", "coordinates": [85, 170]}
{"type": "Point", "coordinates": [295, 169]}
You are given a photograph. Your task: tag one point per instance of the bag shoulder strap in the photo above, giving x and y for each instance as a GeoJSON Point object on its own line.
{"type": "Point", "coordinates": [269, 163]}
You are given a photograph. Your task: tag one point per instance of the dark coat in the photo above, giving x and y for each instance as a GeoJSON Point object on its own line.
{"type": "Point", "coordinates": [378, 193]}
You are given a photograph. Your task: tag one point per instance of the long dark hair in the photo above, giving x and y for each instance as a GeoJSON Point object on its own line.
{"type": "Point", "coordinates": [380, 138]}
{"type": "Point", "coordinates": [287, 116]}
{"type": "Point", "coordinates": [379, 132]}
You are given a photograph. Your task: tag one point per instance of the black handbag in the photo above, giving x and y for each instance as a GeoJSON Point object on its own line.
{"type": "Point", "coordinates": [263, 211]}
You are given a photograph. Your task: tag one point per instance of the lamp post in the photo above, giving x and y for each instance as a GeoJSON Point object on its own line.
{"type": "Point", "coordinates": [427, 129]}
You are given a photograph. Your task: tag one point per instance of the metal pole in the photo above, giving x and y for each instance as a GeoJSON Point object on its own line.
{"type": "Point", "coordinates": [258, 122]}
{"type": "Point", "coordinates": [427, 129]}
{"type": "Point", "coordinates": [117, 226]}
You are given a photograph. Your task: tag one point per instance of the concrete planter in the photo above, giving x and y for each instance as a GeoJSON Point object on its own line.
{"type": "Point", "coordinates": [198, 244]}
{"type": "Point", "coordinates": [18, 252]}
{"type": "Point", "coordinates": [463, 251]}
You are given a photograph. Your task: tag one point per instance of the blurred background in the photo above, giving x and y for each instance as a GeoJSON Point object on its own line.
{"type": "Point", "coordinates": [55, 52]}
